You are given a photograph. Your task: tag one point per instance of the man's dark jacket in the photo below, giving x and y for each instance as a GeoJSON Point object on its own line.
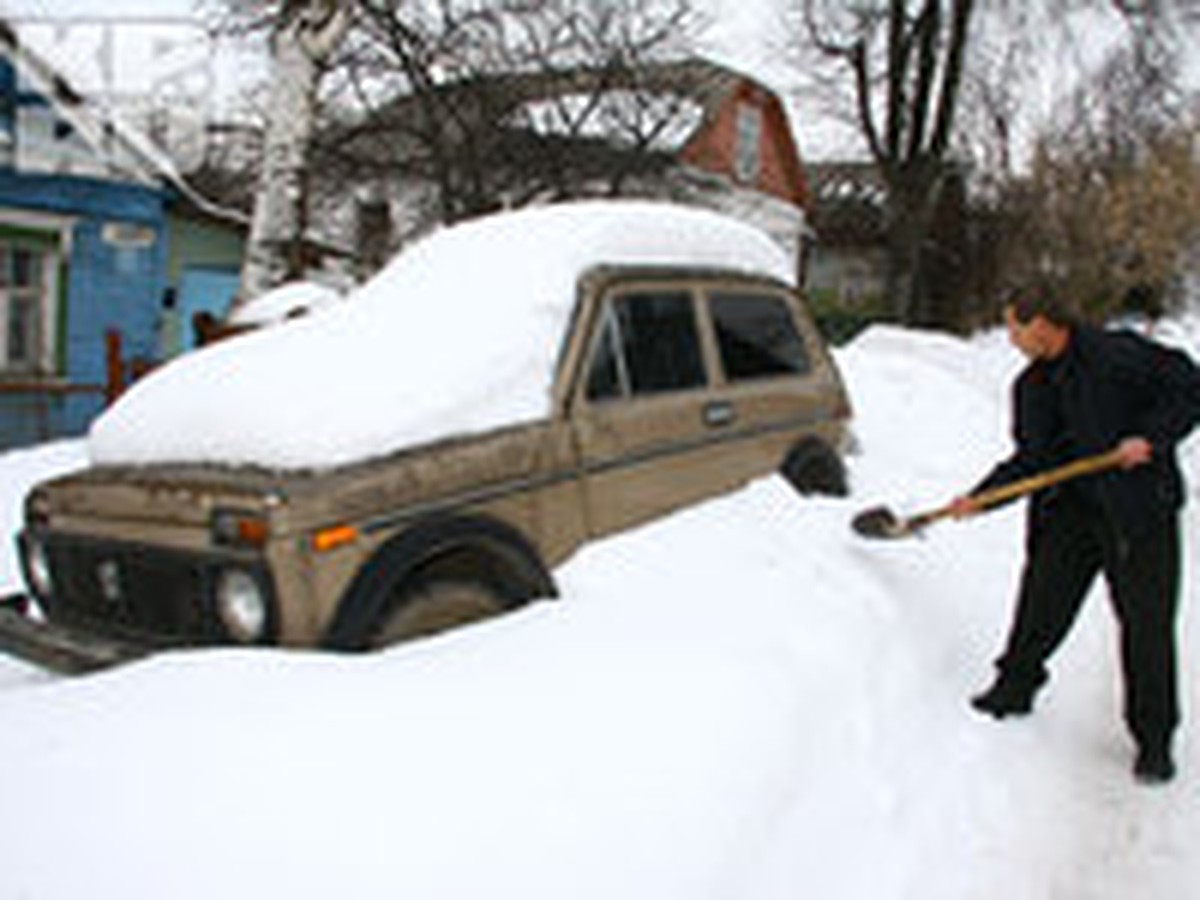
{"type": "Point", "coordinates": [1107, 386]}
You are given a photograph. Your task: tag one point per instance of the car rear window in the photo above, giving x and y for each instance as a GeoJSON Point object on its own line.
{"type": "Point", "coordinates": [757, 337]}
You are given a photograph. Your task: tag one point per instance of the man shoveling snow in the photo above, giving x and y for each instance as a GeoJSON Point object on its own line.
{"type": "Point", "coordinates": [1083, 392]}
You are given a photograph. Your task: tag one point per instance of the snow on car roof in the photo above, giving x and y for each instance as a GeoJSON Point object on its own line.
{"type": "Point", "coordinates": [296, 298]}
{"type": "Point", "coordinates": [457, 334]}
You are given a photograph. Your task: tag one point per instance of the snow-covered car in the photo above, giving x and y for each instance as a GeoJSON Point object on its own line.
{"type": "Point", "coordinates": [288, 301]}
{"type": "Point", "coordinates": [427, 451]}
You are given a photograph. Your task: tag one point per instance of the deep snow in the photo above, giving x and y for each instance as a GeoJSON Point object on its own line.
{"type": "Point", "coordinates": [744, 701]}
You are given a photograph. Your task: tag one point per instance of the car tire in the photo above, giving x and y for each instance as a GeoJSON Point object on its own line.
{"type": "Point", "coordinates": [814, 468]}
{"type": "Point", "coordinates": [434, 606]}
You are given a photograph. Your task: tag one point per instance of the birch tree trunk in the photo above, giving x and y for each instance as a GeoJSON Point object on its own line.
{"type": "Point", "coordinates": [308, 33]}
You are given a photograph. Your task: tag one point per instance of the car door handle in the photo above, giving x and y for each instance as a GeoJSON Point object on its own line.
{"type": "Point", "coordinates": [719, 413]}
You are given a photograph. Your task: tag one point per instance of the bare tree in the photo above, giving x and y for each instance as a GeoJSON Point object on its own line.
{"type": "Point", "coordinates": [495, 104]}
{"type": "Point", "coordinates": [1110, 203]}
{"type": "Point", "coordinates": [905, 61]}
{"type": "Point", "coordinates": [484, 103]}
{"type": "Point", "coordinates": [305, 34]}
{"type": "Point", "coordinates": [926, 83]}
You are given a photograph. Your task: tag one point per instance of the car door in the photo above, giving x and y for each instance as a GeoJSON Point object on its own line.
{"type": "Point", "coordinates": [772, 373]}
{"type": "Point", "coordinates": [643, 415]}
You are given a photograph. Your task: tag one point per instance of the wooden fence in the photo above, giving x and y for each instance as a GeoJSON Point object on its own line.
{"type": "Point", "coordinates": [45, 394]}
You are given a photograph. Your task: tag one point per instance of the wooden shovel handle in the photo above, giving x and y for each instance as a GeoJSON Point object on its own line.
{"type": "Point", "coordinates": [1088, 465]}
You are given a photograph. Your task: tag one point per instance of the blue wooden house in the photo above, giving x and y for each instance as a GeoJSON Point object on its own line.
{"type": "Point", "coordinates": [87, 256]}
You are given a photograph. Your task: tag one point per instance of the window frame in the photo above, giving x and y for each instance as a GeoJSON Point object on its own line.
{"type": "Point", "coordinates": [41, 297]}
{"type": "Point", "coordinates": [749, 128]}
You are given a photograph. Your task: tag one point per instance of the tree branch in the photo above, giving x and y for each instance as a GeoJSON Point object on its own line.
{"type": "Point", "coordinates": [899, 46]}
{"type": "Point", "coordinates": [859, 63]}
{"type": "Point", "coordinates": [926, 31]}
{"type": "Point", "coordinates": [951, 77]}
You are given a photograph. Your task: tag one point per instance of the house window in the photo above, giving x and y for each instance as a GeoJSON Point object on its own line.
{"type": "Point", "coordinates": [374, 234]}
{"type": "Point", "coordinates": [749, 139]}
{"type": "Point", "coordinates": [25, 299]}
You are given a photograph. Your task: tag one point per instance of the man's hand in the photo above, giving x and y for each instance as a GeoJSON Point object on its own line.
{"type": "Point", "coordinates": [1134, 451]}
{"type": "Point", "coordinates": [964, 507]}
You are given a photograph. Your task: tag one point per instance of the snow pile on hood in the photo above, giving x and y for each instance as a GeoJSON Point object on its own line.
{"type": "Point", "coordinates": [457, 334]}
{"type": "Point", "coordinates": [286, 302]}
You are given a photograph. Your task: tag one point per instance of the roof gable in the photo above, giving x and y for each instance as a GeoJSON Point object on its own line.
{"type": "Point", "coordinates": [747, 138]}
{"type": "Point", "coordinates": [47, 127]}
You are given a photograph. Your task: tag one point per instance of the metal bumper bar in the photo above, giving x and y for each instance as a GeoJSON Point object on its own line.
{"type": "Point", "coordinates": [51, 646]}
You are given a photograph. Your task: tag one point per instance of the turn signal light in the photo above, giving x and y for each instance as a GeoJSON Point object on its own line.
{"type": "Point", "coordinates": [232, 528]}
{"type": "Point", "coordinates": [331, 538]}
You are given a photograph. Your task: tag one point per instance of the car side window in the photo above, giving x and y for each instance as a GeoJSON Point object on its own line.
{"type": "Point", "coordinates": [648, 344]}
{"type": "Point", "coordinates": [756, 336]}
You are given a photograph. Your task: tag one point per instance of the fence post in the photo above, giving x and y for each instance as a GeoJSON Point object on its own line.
{"type": "Point", "coordinates": [114, 365]}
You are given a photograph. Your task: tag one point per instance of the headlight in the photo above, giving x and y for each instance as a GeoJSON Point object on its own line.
{"type": "Point", "coordinates": [37, 567]}
{"type": "Point", "coordinates": [241, 605]}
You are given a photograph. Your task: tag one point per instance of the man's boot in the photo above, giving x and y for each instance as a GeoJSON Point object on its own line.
{"type": "Point", "coordinates": [1153, 764]}
{"type": "Point", "coordinates": [1009, 695]}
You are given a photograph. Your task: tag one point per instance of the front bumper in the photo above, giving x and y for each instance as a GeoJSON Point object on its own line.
{"type": "Point", "coordinates": [63, 649]}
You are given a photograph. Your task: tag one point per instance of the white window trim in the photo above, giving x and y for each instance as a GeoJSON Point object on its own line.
{"type": "Point", "coordinates": [60, 230]}
{"type": "Point", "coordinates": [747, 163]}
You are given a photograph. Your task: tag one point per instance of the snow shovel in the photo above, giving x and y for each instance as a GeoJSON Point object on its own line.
{"type": "Point", "coordinates": [881, 522]}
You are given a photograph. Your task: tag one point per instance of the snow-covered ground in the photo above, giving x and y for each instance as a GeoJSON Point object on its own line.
{"type": "Point", "coordinates": [745, 701]}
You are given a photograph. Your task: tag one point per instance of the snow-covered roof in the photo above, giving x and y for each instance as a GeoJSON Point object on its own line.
{"type": "Point", "coordinates": [458, 334]}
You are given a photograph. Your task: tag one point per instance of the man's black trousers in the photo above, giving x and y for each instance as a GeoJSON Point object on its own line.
{"type": "Point", "coordinates": [1070, 540]}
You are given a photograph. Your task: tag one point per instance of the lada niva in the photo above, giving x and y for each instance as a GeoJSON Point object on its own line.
{"type": "Point", "coordinates": [675, 377]}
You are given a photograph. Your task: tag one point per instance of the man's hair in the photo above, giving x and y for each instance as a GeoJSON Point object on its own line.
{"type": "Point", "coordinates": [1032, 300]}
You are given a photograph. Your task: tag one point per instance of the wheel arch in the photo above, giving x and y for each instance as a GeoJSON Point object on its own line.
{"type": "Point", "coordinates": [812, 466]}
{"type": "Point", "coordinates": [504, 558]}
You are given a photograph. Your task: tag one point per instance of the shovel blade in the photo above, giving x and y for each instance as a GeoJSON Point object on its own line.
{"type": "Point", "coordinates": [880, 522]}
